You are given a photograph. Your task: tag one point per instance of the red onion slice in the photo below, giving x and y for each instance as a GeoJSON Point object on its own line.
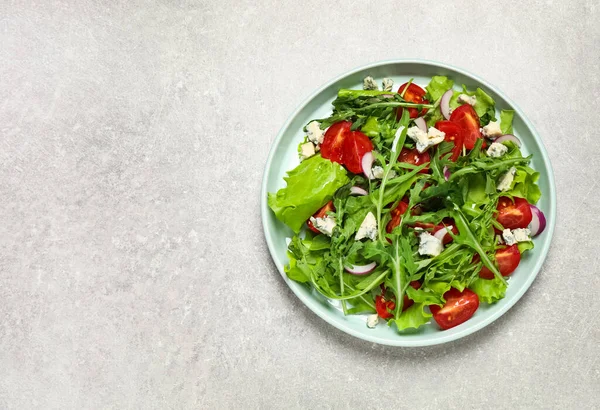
{"type": "Point", "coordinates": [538, 221]}
{"type": "Point", "coordinates": [361, 269]}
{"type": "Point", "coordinates": [509, 137]}
{"type": "Point", "coordinates": [356, 190]}
{"type": "Point", "coordinates": [367, 164]}
{"type": "Point", "coordinates": [445, 104]}
{"type": "Point", "coordinates": [420, 122]}
{"type": "Point", "coordinates": [440, 233]}
{"type": "Point", "coordinates": [446, 173]}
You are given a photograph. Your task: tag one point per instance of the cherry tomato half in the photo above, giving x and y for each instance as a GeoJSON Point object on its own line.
{"type": "Point", "coordinates": [459, 307]}
{"type": "Point", "coordinates": [333, 141]}
{"type": "Point", "coordinates": [412, 156]}
{"type": "Point", "coordinates": [414, 94]}
{"type": "Point", "coordinates": [355, 145]}
{"type": "Point", "coordinates": [454, 133]}
{"type": "Point", "coordinates": [321, 213]}
{"type": "Point", "coordinates": [508, 259]}
{"type": "Point", "coordinates": [466, 117]}
{"type": "Point", "coordinates": [384, 306]}
{"type": "Point", "coordinates": [396, 216]}
{"type": "Point", "coordinates": [513, 215]}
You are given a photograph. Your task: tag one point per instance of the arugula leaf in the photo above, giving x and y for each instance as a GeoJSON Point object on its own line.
{"type": "Point", "coordinates": [506, 119]}
{"type": "Point", "coordinates": [467, 237]}
{"type": "Point", "coordinates": [438, 85]}
{"type": "Point", "coordinates": [488, 290]}
{"type": "Point", "coordinates": [309, 186]}
{"type": "Point", "coordinates": [302, 261]}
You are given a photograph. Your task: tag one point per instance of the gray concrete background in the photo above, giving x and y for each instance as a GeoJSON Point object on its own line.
{"type": "Point", "coordinates": [133, 270]}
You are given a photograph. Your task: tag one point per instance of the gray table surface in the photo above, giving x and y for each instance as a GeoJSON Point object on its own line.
{"type": "Point", "coordinates": [133, 269]}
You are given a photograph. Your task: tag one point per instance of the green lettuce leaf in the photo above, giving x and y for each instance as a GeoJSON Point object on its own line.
{"type": "Point", "coordinates": [421, 296]}
{"type": "Point", "coordinates": [506, 119]}
{"type": "Point", "coordinates": [371, 127]}
{"type": "Point", "coordinates": [309, 186]}
{"type": "Point", "coordinates": [413, 317]}
{"type": "Point", "coordinates": [525, 246]}
{"type": "Point", "coordinates": [488, 290]}
{"type": "Point", "coordinates": [525, 186]}
{"type": "Point", "coordinates": [438, 86]}
{"type": "Point", "coordinates": [434, 117]}
{"type": "Point", "coordinates": [477, 189]}
{"type": "Point", "coordinates": [485, 106]}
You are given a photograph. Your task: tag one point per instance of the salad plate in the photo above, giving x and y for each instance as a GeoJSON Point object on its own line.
{"type": "Point", "coordinates": [429, 89]}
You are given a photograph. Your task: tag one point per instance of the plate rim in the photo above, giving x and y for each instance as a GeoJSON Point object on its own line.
{"type": "Point", "coordinates": [308, 302]}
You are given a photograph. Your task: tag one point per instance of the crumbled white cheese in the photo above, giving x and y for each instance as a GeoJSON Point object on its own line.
{"type": "Point", "coordinates": [466, 99]}
{"type": "Point", "coordinates": [372, 320]}
{"type": "Point", "coordinates": [307, 150]}
{"type": "Point", "coordinates": [424, 139]}
{"type": "Point", "coordinates": [508, 237]}
{"type": "Point", "coordinates": [387, 84]}
{"type": "Point", "coordinates": [430, 245]}
{"type": "Point", "coordinates": [492, 130]}
{"type": "Point", "coordinates": [377, 173]}
{"type": "Point", "coordinates": [522, 234]}
{"type": "Point", "coordinates": [434, 137]}
{"type": "Point", "coordinates": [434, 133]}
{"type": "Point", "coordinates": [496, 150]}
{"type": "Point", "coordinates": [370, 84]}
{"type": "Point", "coordinates": [415, 133]}
{"type": "Point", "coordinates": [506, 180]}
{"type": "Point", "coordinates": [324, 225]}
{"type": "Point", "coordinates": [515, 236]}
{"type": "Point", "coordinates": [368, 228]}
{"type": "Point", "coordinates": [315, 133]}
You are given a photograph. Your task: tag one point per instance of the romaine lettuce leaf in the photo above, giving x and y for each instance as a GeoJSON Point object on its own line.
{"type": "Point", "coordinates": [309, 186]}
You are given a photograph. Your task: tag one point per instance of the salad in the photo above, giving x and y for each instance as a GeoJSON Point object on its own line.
{"type": "Point", "coordinates": [410, 204]}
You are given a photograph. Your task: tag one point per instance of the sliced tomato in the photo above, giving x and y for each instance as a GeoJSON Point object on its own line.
{"type": "Point", "coordinates": [355, 145]}
{"type": "Point", "coordinates": [407, 301]}
{"type": "Point", "coordinates": [508, 259]}
{"type": "Point", "coordinates": [414, 94]}
{"type": "Point", "coordinates": [466, 117]}
{"type": "Point", "coordinates": [412, 156]}
{"type": "Point", "coordinates": [396, 216]}
{"type": "Point", "coordinates": [513, 215]}
{"type": "Point", "coordinates": [321, 213]}
{"type": "Point", "coordinates": [332, 147]}
{"type": "Point", "coordinates": [459, 307]}
{"type": "Point", "coordinates": [454, 134]}
{"type": "Point", "coordinates": [384, 307]}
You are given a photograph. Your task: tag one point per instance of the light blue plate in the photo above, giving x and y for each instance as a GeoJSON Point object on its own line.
{"type": "Point", "coordinates": [284, 157]}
